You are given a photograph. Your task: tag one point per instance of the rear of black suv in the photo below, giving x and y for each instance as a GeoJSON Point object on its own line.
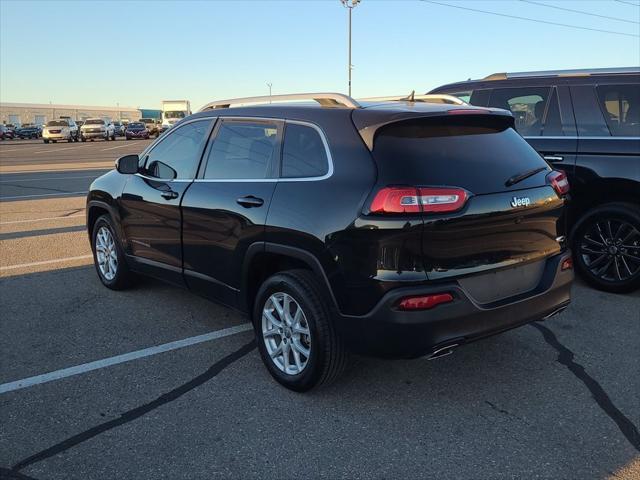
{"type": "Point", "coordinates": [475, 224]}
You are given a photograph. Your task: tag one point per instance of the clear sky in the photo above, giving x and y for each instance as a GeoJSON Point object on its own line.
{"type": "Point", "coordinates": [138, 53]}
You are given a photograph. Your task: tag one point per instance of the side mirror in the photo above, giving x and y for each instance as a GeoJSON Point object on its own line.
{"type": "Point", "coordinates": [128, 164]}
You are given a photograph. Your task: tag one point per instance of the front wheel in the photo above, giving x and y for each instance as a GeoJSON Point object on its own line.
{"type": "Point", "coordinates": [606, 245]}
{"type": "Point", "coordinates": [45, 140]}
{"type": "Point", "coordinates": [295, 333]}
{"type": "Point", "coordinates": [108, 256]}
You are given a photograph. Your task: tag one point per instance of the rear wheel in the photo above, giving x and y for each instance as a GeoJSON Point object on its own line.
{"type": "Point", "coordinates": [83, 139]}
{"type": "Point", "coordinates": [606, 245]}
{"type": "Point", "coordinates": [46, 141]}
{"type": "Point", "coordinates": [108, 256]}
{"type": "Point", "coordinates": [295, 333]}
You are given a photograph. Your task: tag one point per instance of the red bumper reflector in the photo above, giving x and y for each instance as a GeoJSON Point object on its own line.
{"type": "Point", "coordinates": [567, 264]}
{"type": "Point", "coordinates": [424, 302]}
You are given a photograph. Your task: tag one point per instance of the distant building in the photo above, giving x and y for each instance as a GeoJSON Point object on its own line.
{"type": "Point", "coordinates": [41, 113]}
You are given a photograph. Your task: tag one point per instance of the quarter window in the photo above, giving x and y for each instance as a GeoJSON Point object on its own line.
{"type": "Point", "coordinates": [243, 150]}
{"type": "Point", "coordinates": [178, 154]}
{"type": "Point", "coordinates": [303, 153]}
{"type": "Point", "coordinates": [621, 107]}
{"type": "Point", "coordinates": [526, 104]}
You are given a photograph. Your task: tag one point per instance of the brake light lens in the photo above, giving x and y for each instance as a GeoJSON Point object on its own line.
{"type": "Point", "coordinates": [424, 302]}
{"type": "Point", "coordinates": [416, 200]}
{"type": "Point", "coordinates": [567, 264]}
{"type": "Point", "coordinates": [558, 180]}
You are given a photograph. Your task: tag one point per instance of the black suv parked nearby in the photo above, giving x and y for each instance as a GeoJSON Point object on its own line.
{"type": "Point", "coordinates": [587, 124]}
{"type": "Point", "coordinates": [399, 229]}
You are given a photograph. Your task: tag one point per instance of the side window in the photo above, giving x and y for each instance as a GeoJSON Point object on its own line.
{"type": "Point", "coordinates": [589, 117]}
{"type": "Point", "coordinates": [621, 107]}
{"type": "Point", "coordinates": [243, 150]}
{"type": "Point", "coordinates": [527, 105]}
{"type": "Point", "coordinates": [303, 152]}
{"type": "Point", "coordinates": [178, 154]}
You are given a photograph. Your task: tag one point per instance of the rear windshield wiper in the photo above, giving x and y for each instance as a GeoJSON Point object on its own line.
{"type": "Point", "coordinates": [521, 176]}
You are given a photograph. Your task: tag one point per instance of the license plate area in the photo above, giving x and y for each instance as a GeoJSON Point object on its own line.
{"type": "Point", "coordinates": [497, 285]}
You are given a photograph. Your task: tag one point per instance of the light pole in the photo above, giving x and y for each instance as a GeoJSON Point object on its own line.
{"type": "Point", "coordinates": [350, 4]}
{"type": "Point", "coordinates": [269, 85]}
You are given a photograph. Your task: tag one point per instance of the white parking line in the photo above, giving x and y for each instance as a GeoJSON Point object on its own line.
{"type": "Point", "coordinates": [40, 219]}
{"type": "Point", "coordinates": [42, 195]}
{"type": "Point", "coordinates": [126, 357]}
{"type": "Point", "coordinates": [44, 262]}
{"type": "Point", "coordinates": [57, 150]}
{"type": "Point", "coordinates": [45, 178]}
{"type": "Point", "coordinates": [113, 148]}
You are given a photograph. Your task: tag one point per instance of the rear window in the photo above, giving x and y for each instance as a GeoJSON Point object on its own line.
{"type": "Point", "coordinates": [477, 153]}
{"type": "Point", "coordinates": [57, 123]}
{"type": "Point", "coordinates": [94, 122]}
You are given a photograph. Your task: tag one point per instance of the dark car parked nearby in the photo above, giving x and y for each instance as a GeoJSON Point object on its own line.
{"type": "Point", "coordinates": [29, 130]}
{"type": "Point", "coordinates": [587, 124]}
{"type": "Point", "coordinates": [136, 130]}
{"type": "Point", "coordinates": [396, 229]}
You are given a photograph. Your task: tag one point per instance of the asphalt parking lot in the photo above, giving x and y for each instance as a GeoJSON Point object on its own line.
{"type": "Point", "coordinates": [157, 383]}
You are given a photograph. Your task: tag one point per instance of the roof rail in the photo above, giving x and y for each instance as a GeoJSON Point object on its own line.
{"type": "Point", "coordinates": [324, 99]}
{"type": "Point", "coordinates": [563, 73]}
{"type": "Point", "coordinates": [429, 98]}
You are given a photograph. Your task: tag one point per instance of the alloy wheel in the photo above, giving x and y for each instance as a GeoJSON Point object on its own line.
{"type": "Point", "coordinates": [106, 254]}
{"type": "Point", "coordinates": [286, 333]}
{"type": "Point", "coordinates": [610, 250]}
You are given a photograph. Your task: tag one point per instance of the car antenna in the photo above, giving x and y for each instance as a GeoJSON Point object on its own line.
{"type": "Point", "coordinates": [410, 98]}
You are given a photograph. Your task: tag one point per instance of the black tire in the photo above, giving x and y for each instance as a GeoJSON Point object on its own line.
{"type": "Point", "coordinates": [328, 356]}
{"type": "Point", "coordinates": [83, 139]}
{"type": "Point", "coordinates": [623, 273]}
{"type": "Point", "coordinates": [70, 139]}
{"type": "Point", "coordinates": [46, 141]}
{"type": "Point", "coordinates": [123, 277]}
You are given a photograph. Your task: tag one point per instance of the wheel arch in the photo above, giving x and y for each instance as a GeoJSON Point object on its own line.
{"type": "Point", "coordinates": [264, 259]}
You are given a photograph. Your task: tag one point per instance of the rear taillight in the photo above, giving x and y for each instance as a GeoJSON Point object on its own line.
{"type": "Point", "coordinates": [424, 302]}
{"type": "Point", "coordinates": [416, 200]}
{"type": "Point", "coordinates": [559, 182]}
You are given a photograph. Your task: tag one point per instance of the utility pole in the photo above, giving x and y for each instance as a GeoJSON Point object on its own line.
{"type": "Point", "coordinates": [350, 5]}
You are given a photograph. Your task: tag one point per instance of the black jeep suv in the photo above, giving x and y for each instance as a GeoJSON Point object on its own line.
{"type": "Point", "coordinates": [587, 124]}
{"type": "Point", "coordinates": [400, 229]}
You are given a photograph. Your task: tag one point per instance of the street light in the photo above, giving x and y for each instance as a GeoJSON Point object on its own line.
{"type": "Point", "coordinates": [269, 85]}
{"type": "Point", "coordinates": [350, 4]}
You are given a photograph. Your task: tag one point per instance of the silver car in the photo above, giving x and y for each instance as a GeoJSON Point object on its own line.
{"type": "Point", "coordinates": [63, 129]}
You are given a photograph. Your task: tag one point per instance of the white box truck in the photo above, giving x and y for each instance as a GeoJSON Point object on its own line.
{"type": "Point", "coordinates": [173, 111]}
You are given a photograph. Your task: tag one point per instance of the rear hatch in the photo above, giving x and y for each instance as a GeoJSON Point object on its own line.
{"type": "Point", "coordinates": [490, 215]}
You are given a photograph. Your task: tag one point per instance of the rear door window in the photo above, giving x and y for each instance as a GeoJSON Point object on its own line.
{"type": "Point", "coordinates": [621, 107]}
{"type": "Point", "coordinates": [527, 104]}
{"type": "Point", "coordinates": [243, 150]}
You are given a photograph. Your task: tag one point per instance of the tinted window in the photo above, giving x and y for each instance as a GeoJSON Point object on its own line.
{"type": "Point", "coordinates": [303, 153]}
{"type": "Point", "coordinates": [621, 106]}
{"type": "Point", "coordinates": [180, 151]}
{"type": "Point", "coordinates": [527, 105]}
{"type": "Point", "coordinates": [57, 123]}
{"type": "Point", "coordinates": [242, 150]}
{"type": "Point", "coordinates": [475, 152]}
{"type": "Point", "coordinates": [94, 122]}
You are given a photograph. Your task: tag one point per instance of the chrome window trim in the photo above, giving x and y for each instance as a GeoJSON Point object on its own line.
{"type": "Point", "coordinates": [317, 128]}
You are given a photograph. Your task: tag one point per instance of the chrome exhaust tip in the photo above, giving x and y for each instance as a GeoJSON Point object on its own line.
{"type": "Point", "coordinates": [442, 351]}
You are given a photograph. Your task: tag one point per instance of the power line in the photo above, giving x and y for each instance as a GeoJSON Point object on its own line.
{"type": "Point", "coordinates": [628, 3]}
{"type": "Point", "coordinates": [579, 11]}
{"type": "Point", "coordinates": [531, 19]}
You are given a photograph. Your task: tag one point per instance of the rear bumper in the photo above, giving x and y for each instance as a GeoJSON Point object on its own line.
{"type": "Point", "coordinates": [389, 332]}
{"type": "Point", "coordinates": [94, 134]}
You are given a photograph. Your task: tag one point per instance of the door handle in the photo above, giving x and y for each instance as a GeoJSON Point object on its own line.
{"type": "Point", "coordinates": [250, 201]}
{"type": "Point", "coordinates": [169, 195]}
{"type": "Point", "coordinates": [553, 158]}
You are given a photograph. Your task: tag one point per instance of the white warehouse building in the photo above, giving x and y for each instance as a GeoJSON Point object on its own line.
{"type": "Point", "coordinates": [41, 113]}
